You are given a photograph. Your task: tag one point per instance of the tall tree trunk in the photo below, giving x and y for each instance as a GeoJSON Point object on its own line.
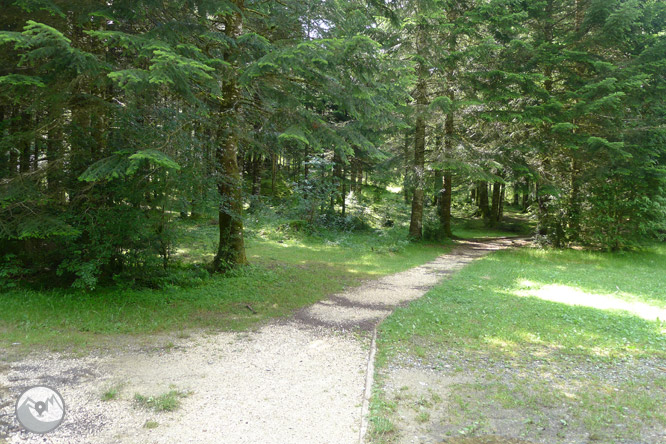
{"type": "Point", "coordinates": [231, 249]}
{"type": "Point", "coordinates": [337, 173]}
{"type": "Point", "coordinates": [53, 156]}
{"type": "Point", "coordinates": [495, 208]}
{"type": "Point", "coordinates": [574, 199]}
{"type": "Point", "coordinates": [274, 167]}
{"type": "Point", "coordinates": [438, 187]}
{"type": "Point", "coordinates": [352, 175]}
{"type": "Point", "coordinates": [416, 222]}
{"type": "Point", "coordinates": [542, 228]}
{"type": "Point", "coordinates": [516, 197]}
{"type": "Point", "coordinates": [500, 212]}
{"type": "Point", "coordinates": [4, 156]}
{"type": "Point", "coordinates": [483, 200]}
{"type": "Point", "coordinates": [24, 143]}
{"type": "Point", "coordinates": [257, 168]}
{"type": "Point", "coordinates": [438, 174]}
{"type": "Point", "coordinates": [421, 97]}
{"type": "Point", "coordinates": [344, 191]}
{"type": "Point", "coordinates": [526, 195]}
{"type": "Point", "coordinates": [445, 204]}
{"type": "Point", "coordinates": [406, 182]}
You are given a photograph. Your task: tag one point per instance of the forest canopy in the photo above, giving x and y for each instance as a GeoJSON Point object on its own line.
{"type": "Point", "coordinates": [117, 118]}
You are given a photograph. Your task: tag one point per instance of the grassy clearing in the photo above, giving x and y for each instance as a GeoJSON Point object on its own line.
{"type": "Point", "coordinates": [551, 346]}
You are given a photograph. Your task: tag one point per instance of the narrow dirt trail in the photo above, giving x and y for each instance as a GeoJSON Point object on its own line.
{"type": "Point", "coordinates": [301, 380]}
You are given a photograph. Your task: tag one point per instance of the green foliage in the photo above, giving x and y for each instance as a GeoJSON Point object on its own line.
{"type": "Point", "coordinates": [120, 165]}
{"type": "Point", "coordinates": [114, 123]}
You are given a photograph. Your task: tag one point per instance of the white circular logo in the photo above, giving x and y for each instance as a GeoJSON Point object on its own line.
{"type": "Point", "coordinates": [40, 409]}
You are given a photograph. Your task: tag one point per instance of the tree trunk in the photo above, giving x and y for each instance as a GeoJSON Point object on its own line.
{"type": "Point", "coordinates": [438, 187]}
{"type": "Point", "coordinates": [445, 202]}
{"type": "Point", "coordinates": [516, 197]}
{"type": "Point", "coordinates": [24, 143]}
{"type": "Point", "coordinates": [274, 165]}
{"type": "Point", "coordinates": [542, 228]}
{"type": "Point", "coordinates": [421, 97]}
{"type": "Point", "coordinates": [574, 199]}
{"type": "Point", "coordinates": [344, 191]}
{"type": "Point", "coordinates": [54, 152]}
{"type": "Point", "coordinates": [337, 174]}
{"type": "Point", "coordinates": [526, 195]}
{"type": "Point", "coordinates": [495, 209]}
{"type": "Point", "coordinates": [483, 200]}
{"type": "Point", "coordinates": [445, 205]}
{"type": "Point", "coordinates": [352, 175]}
{"type": "Point", "coordinates": [416, 222]}
{"type": "Point", "coordinates": [406, 180]}
{"type": "Point", "coordinates": [257, 168]}
{"type": "Point", "coordinates": [500, 213]}
{"type": "Point", "coordinates": [4, 156]}
{"type": "Point", "coordinates": [231, 249]}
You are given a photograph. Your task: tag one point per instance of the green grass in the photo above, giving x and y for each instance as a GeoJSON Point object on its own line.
{"type": "Point", "coordinates": [151, 424]}
{"type": "Point", "coordinates": [284, 276]}
{"type": "Point", "coordinates": [382, 428]}
{"type": "Point", "coordinates": [528, 326]}
{"type": "Point", "coordinates": [166, 402]}
{"type": "Point", "coordinates": [111, 393]}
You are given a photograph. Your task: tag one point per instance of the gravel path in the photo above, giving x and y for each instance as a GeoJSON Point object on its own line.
{"type": "Point", "coordinates": [303, 380]}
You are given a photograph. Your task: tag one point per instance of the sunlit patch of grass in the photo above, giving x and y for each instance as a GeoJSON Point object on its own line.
{"type": "Point", "coordinates": [536, 338]}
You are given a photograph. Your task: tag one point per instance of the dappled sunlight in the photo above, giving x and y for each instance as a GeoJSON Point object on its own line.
{"type": "Point", "coordinates": [500, 343]}
{"type": "Point", "coordinates": [573, 296]}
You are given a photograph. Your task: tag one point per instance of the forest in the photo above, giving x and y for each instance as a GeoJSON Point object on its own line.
{"type": "Point", "coordinates": [333, 221]}
{"type": "Point", "coordinates": [120, 120]}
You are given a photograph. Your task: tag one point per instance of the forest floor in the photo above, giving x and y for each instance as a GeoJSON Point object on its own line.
{"type": "Point", "coordinates": [299, 379]}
